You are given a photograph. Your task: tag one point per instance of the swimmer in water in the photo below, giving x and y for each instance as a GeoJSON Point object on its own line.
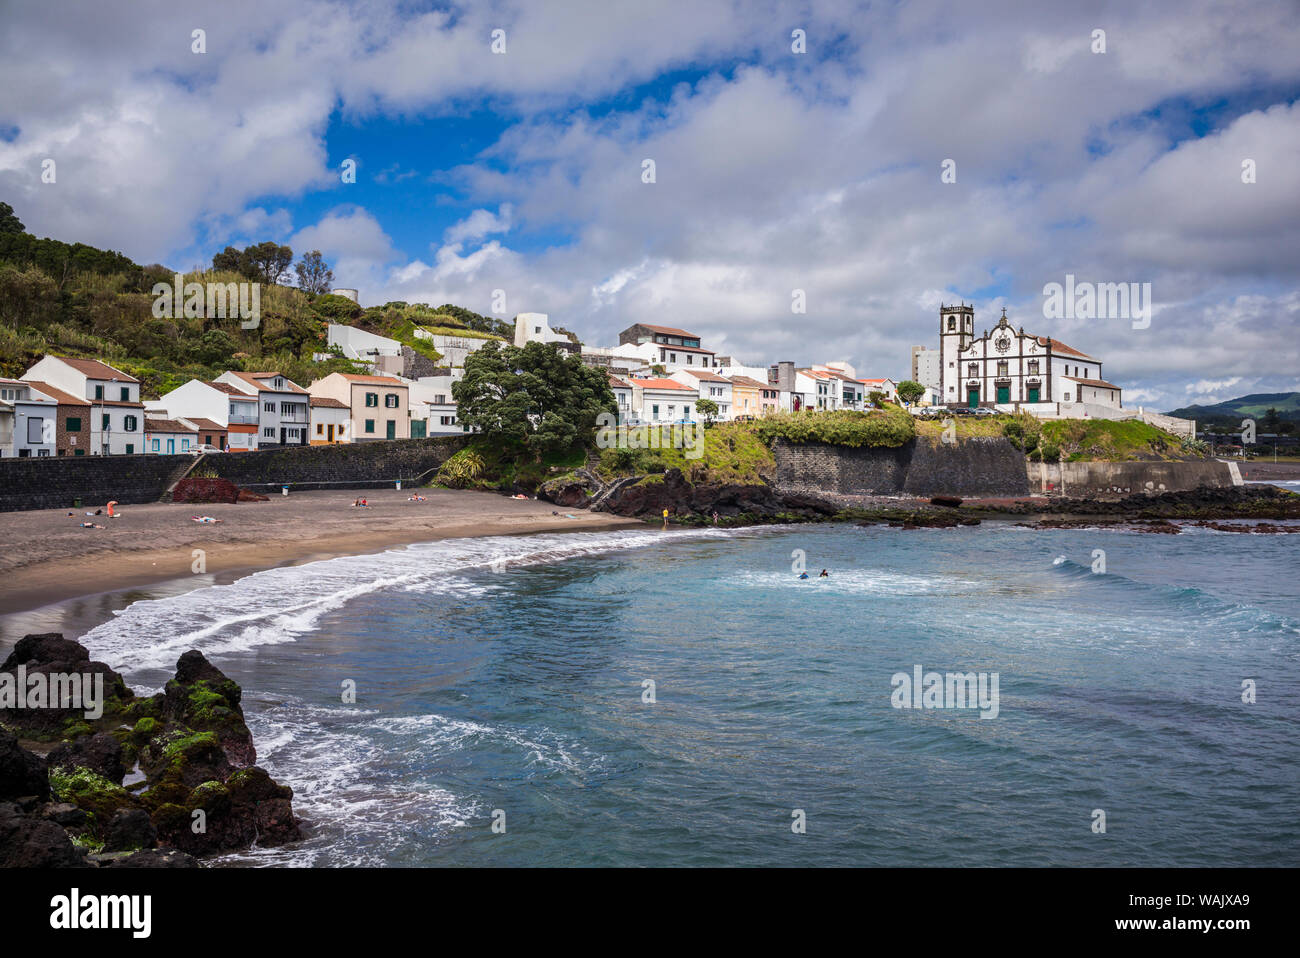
{"type": "Point", "coordinates": [803, 575]}
{"type": "Point", "coordinates": [824, 575]}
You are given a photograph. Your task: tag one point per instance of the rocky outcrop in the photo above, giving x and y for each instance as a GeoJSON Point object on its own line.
{"type": "Point", "coordinates": [648, 497]}
{"type": "Point", "coordinates": [201, 790]}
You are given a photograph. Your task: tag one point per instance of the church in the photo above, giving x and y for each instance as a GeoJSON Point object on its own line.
{"type": "Point", "coordinates": [1007, 367]}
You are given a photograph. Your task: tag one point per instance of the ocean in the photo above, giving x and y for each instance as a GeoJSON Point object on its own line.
{"type": "Point", "coordinates": [503, 715]}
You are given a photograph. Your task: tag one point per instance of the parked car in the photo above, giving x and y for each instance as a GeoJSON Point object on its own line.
{"type": "Point", "coordinates": [984, 411]}
{"type": "Point", "coordinates": [203, 449]}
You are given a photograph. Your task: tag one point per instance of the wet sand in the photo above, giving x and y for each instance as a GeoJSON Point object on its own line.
{"type": "Point", "coordinates": [49, 558]}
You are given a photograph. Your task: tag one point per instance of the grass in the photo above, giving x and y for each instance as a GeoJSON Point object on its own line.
{"type": "Point", "coordinates": [733, 454]}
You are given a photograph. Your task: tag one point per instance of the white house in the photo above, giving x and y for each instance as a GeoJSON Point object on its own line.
{"type": "Point", "coordinates": [28, 421]}
{"type": "Point", "coordinates": [283, 413]}
{"type": "Point", "coordinates": [235, 410]}
{"type": "Point", "coordinates": [536, 328]}
{"type": "Point", "coordinates": [817, 389]}
{"type": "Point", "coordinates": [116, 413]}
{"type": "Point", "coordinates": [330, 421]}
{"type": "Point", "coordinates": [710, 386]}
{"type": "Point", "coordinates": [456, 347]}
{"type": "Point", "coordinates": [623, 394]}
{"type": "Point", "coordinates": [169, 437]}
{"type": "Point", "coordinates": [431, 396]}
{"type": "Point", "coordinates": [380, 353]}
{"type": "Point", "coordinates": [664, 346]}
{"type": "Point", "coordinates": [663, 401]}
{"type": "Point", "coordinates": [886, 386]}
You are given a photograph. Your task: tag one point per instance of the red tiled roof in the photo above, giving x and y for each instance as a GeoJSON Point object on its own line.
{"type": "Point", "coordinates": [327, 403]}
{"type": "Point", "coordinates": [228, 389]}
{"type": "Point", "coordinates": [615, 381]}
{"type": "Point", "coordinates": [167, 425]}
{"type": "Point", "coordinates": [377, 380]}
{"type": "Point", "coordinates": [706, 376]}
{"type": "Point", "coordinates": [668, 331]}
{"type": "Point", "coordinates": [255, 380]}
{"type": "Point", "coordinates": [1059, 347]}
{"type": "Point", "coordinates": [660, 384]}
{"type": "Point", "coordinates": [746, 381]}
{"type": "Point", "coordinates": [206, 424]}
{"type": "Point", "coordinates": [62, 398]}
{"type": "Point", "coordinates": [94, 369]}
{"type": "Point", "coordinates": [1100, 383]}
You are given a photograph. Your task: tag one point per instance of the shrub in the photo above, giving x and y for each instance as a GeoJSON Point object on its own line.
{"type": "Point", "coordinates": [843, 427]}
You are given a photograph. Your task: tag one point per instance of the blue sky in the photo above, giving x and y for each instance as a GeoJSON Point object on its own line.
{"type": "Point", "coordinates": [776, 171]}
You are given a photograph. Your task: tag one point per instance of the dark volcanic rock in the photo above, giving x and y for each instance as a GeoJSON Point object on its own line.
{"type": "Point", "coordinates": [148, 858]}
{"type": "Point", "coordinates": [49, 654]}
{"type": "Point", "coordinates": [101, 753]}
{"type": "Point", "coordinates": [951, 501]}
{"type": "Point", "coordinates": [22, 772]}
{"type": "Point", "coordinates": [30, 842]}
{"type": "Point", "coordinates": [130, 830]}
{"type": "Point", "coordinates": [203, 699]}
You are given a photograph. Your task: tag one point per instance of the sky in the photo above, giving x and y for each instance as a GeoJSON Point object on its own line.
{"type": "Point", "coordinates": [776, 169]}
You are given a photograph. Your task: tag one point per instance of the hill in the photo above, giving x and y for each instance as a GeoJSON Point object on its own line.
{"type": "Point", "coordinates": [1231, 412]}
{"type": "Point", "coordinates": [76, 300]}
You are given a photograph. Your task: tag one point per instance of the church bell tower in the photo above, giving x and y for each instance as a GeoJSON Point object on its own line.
{"type": "Point", "coordinates": [956, 331]}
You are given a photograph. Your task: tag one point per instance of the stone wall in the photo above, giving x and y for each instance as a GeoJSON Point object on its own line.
{"type": "Point", "coordinates": [341, 466]}
{"type": "Point", "coordinates": [1103, 480]}
{"type": "Point", "coordinates": [56, 482]}
{"type": "Point", "coordinates": [976, 468]}
{"type": "Point", "coordinates": [922, 467]}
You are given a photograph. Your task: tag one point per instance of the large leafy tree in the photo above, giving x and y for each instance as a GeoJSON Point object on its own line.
{"type": "Point", "coordinates": [536, 397]}
{"type": "Point", "coordinates": [314, 274]}
{"type": "Point", "coordinates": [910, 391]}
{"type": "Point", "coordinates": [270, 260]}
{"type": "Point", "coordinates": [9, 223]}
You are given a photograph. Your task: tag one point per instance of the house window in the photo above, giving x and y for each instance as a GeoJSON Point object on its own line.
{"type": "Point", "coordinates": [126, 394]}
{"type": "Point", "coordinates": [390, 401]}
{"type": "Point", "coordinates": [78, 452]}
{"type": "Point", "coordinates": [74, 424]}
{"type": "Point", "coordinates": [320, 429]}
{"type": "Point", "coordinates": [156, 444]}
{"type": "Point", "coordinates": [372, 399]}
{"type": "Point", "coordinates": [268, 433]}
{"type": "Point", "coordinates": [185, 444]}
{"type": "Point", "coordinates": [269, 407]}
{"type": "Point", "coordinates": [99, 392]}
{"type": "Point", "coordinates": [104, 426]}
{"type": "Point", "coordinates": [656, 410]}
{"type": "Point", "coordinates": [35, 428]}
{"type": "Point", "coordinates": [42, 452]}
{"type": "Point", "coordinates": [690, 360]}
{"type": "Point", "coordinates": [672, 357]}
{"type": "Point", "coordinates": [370, 425]}
{"type": "Point", "coordinates": [130, 448]}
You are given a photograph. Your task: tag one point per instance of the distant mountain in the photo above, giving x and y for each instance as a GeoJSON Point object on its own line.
{"type": "Point", "coordinates": [1253, 406]}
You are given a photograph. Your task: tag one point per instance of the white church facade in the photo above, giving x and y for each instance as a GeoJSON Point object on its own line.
{"type": "Point", "coordinates": [1010, 369]}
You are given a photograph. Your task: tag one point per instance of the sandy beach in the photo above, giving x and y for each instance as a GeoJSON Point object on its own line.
{"type": "Point", "coordinates": [50, 557]}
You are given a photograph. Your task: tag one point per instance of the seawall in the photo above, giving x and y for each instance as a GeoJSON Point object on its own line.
{"type": "Point", "coordinates": [56, 483]}
{"type": "Point", "coordinates": [976, 468]}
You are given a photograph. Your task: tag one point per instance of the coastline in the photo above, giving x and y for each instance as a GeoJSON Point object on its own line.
{"type": "Point", "coordinates": [53, 560]}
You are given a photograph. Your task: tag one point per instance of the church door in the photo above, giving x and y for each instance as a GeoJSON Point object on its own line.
{"type": "Point", "coordinates": [972, 397]}
{"type": "Point", "coordinates": [1004, 394]}
{"type": "Point", "coordinates": [1033, 394]}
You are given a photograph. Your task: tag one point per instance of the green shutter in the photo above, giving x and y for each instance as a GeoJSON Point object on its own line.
{"type": "Point", "coordinates": [74, 424]}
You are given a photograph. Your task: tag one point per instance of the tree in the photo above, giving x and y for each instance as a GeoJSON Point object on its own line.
{"type": "Point", "coordinates": [314, 274]}
{"type": "Point", "coordinates": [876, 398]}
{"type": "Point", "coordinates": [9, 223]}
{"type": "Point", "coordinates": [537, 397]}
{"type": "Point", "coordinates": [1271, 420]}
{"type": "Point", "coordinates": [708, 409]}
{"type": "Point", "coordinates": [231, 260]}
{"type": "Point", "coordinates": [910, 391]}
{"type": "Point", "coordinates": [269, 261]}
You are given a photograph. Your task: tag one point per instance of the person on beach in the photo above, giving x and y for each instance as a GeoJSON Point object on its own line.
{"type": "Point", "coordinates": [111, 513]}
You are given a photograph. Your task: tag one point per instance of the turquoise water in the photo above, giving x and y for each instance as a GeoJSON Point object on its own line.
{"type": "Point", "coordinates": [519, 687]}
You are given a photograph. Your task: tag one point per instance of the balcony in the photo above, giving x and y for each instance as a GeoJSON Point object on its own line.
{"type": "Point", "coordinates": [243, 420]}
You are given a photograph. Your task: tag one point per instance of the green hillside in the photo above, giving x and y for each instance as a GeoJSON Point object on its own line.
{"type": "Point", "coordinates": [76, 300]}
{"type": "Point", "coordinates": [1256, 406]}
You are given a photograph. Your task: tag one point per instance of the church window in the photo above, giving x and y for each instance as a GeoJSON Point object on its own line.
{"type": "Point", "coordinates": [952, 323]}
{"type": "Point", "coordinates": [1002, 368]}
{"type": "Point", "coordinates": [973, 369]}
{"type": "Point", "coordinates": [1033, 367]}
